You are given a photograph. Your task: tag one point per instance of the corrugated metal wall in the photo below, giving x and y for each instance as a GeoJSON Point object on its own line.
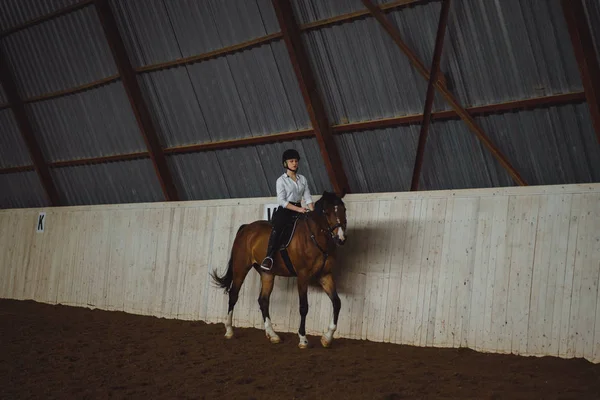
{"type": "Point", "coordinates": [13, 150]}
{"type": "Point", "coordinates": [62, 53]}
{"type": "Point", "coordinates": [201, 176]}
{"type": "Point", "coordinates": [16, 12]}
{"type": "Point", "coordinates": [114, 182]}
{"type": "Point", "coordinates": [22, 190]}
{"type": "Point", "coordinates": [3, 98]}
{"type": "Point", "coordinates": [550, 146]}
{"type": "Point", "coordinates": [508, 50]}
{"type": "Point", "coordinates": [200, 27]}
{"type": "Point", "coordinates": [314, 10]}
{"type": "Point", "coordinates": [362, 75]}
{"type": "Point", "coordinates": [546, 146]}
{"type": "Point", "coordinates": [245, 172]}
{"type": "Point", "coordinates": [494, 52]}
{"type": "Point", "coordinates": [381, 160]}
{"type": "Point", "coordinates": [455, 159]}
{"type": "Point", "coordinates": [250, 93]}
{"type": "Point", "coordinates": [592, 8]}
{"type": "Point", "coordinates": [93, 123]}
{"type": "Point", "coordinates": [158, 31]}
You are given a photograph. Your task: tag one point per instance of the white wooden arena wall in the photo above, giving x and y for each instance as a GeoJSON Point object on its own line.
{"type": "Point", "coordinates": [503, 270]}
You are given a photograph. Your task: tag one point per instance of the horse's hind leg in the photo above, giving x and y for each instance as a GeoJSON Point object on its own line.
{"type": "Point", "coordinates": [239, 274]}
{"type": "Point", "coordinates": [328, 286]}
{"type": "Point", "coordinates": [303, 297]}
{"type": "Point", "coordinates": [266, 282]}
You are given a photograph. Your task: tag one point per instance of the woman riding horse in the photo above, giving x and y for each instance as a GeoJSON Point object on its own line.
{"type": "Point", "coordinates": [291, 188]}
{"type": "Point", "coordinates": [312, 251]}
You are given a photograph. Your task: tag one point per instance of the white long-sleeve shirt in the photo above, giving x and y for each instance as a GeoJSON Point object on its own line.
{"type": "Point", "coordinates": [290, 191]}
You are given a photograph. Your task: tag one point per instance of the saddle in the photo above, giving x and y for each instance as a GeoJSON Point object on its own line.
{"type": "Point", "coordinates": [285, 238]}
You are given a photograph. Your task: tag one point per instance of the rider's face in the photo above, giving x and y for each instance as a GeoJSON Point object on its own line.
{"type": "Point", "coordinates": [292, 164]}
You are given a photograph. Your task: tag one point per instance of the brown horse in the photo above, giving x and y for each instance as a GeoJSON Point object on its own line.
{"type": "Point", "coordinates": [312, 252]}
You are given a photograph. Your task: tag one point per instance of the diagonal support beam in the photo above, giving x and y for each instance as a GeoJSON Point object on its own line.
{"type": "Point", "coordinates": [435, 70]}
{"type": "Point", "coordinates": [314, 105]}
{"type": "Point", "coordinates": [581, 38]}
{"type": "Point", "coordinates": [8, 82]}
{"type": "Point", "coordinates": [140, 109]}
{"type": "Point", "coordinates": [464, 115]}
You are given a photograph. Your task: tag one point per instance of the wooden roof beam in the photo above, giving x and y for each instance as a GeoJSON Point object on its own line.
{"type": "Point", "coordinates": [308, 87]}
{"type": "Point", "coordinates": [134, 93]}
{"type": "Point", "coordinates": [464, 115]}
{"type": "Point", "coordinates": [581, 38]}
{"type": "Point", "coordinates": [16, 170]}
{"type": "Point", "coordinates": [498, 108]}
{"type": "Point", "coordinates": [511, 106]}
{"type": "Point", "coordinates": [35, 152]}
{"type": "Point", "coordinates": [435, 70]}
{"type": "Point", "coordinates": [390, 6]}
{"type": "Point", "coordinates": [339, 19]}
{"type": "Point", "coordinates": [73, 90]}
{"type": "Point", "coordinates": [515, 105]}
{"type": "Point", "coordinates": [233, 143]}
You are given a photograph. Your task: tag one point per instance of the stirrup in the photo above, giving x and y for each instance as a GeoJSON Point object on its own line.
{"type": "Point", "coordinates": [264, 266]}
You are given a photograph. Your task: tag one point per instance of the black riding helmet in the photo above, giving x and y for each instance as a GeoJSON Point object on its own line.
{"type": "Point", "coordinates": [288, 155]}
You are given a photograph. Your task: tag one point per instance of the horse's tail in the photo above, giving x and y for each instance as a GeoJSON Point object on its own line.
{"type": "Point", "coordinates": [226, 280]}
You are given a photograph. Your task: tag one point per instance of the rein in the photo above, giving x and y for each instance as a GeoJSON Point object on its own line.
{"type": "Point", "coordinates": [329, 235]}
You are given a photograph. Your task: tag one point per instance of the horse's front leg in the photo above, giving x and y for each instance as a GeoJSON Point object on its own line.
{"type": "Point", "coordinates": [303, 295]}
{"type": "Point", "coordinates": [328, 286]}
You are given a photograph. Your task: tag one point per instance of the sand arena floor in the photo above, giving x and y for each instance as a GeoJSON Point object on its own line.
{"type": "Point", "coordinates": [51, 352]}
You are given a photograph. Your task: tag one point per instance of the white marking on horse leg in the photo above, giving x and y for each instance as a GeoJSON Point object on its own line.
{"type": "Point", "coordinates": [327, 337]}
{"type": "Point", "coordinates": [229, 325]}
{"type": "Point", "coordinates": [273, 337]}
{"type": "Point", "coordinates": [303, 344]}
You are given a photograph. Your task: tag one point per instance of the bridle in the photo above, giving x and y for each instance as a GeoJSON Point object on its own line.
{"type": "Point", "coordinates": [330, 228]}
{"type": "Point", "coordinates": [329, 231]}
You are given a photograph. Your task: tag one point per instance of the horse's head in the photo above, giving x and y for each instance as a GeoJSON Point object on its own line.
{"type": "Point", "coordinates": [333, 208]}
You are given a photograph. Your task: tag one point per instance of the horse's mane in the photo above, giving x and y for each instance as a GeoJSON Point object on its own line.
{"type": "Point", "coordinates": [327, 198]}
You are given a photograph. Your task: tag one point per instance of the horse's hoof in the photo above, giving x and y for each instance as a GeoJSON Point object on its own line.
{"type": "Point", "coordinates": [303, 342]}
{"type": "Point", "coordinates": [324, 342]}
{"type": "Point", "coordinates": [274, 339]}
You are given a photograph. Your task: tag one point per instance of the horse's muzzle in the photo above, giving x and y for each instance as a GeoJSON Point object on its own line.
{"type": "Point", "coordinates": [339, 234]}
{"type": "Point", "coordinates": [340, 242]}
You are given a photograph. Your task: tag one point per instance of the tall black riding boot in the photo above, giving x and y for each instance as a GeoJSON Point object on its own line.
{"type": "Point", "coordinates": [267, 263]}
